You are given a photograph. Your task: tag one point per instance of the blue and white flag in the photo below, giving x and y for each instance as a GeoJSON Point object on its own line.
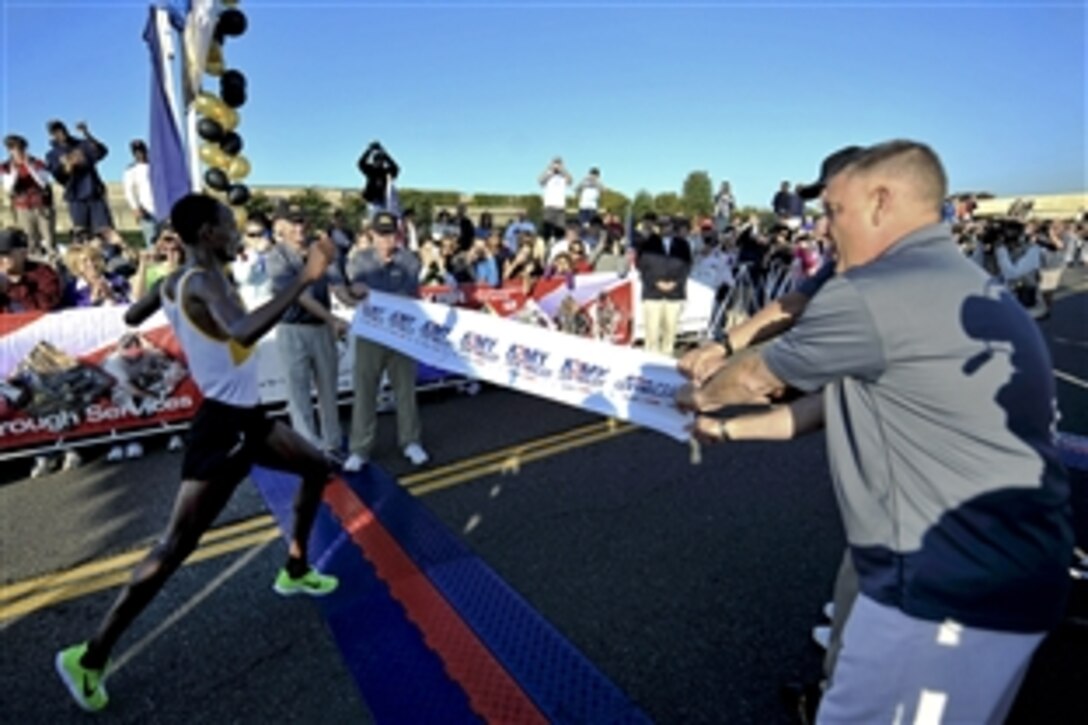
{"type": "Point", "coordinates": [166, 155]}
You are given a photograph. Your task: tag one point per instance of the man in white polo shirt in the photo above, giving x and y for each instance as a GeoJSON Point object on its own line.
{"type": "Point", "coordinates": [555, 180]}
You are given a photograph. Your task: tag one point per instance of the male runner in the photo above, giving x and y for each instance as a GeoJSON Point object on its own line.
{"type": "Point", "coordinates": [229, 434]}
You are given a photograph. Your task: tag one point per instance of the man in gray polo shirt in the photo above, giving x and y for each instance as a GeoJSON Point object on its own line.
{"type": "Point", "coordinates": [385, 267]}
{"type": "Point", "coordinates": [306, 340]}
{"type": "Point", "coordinates": [938, 396]}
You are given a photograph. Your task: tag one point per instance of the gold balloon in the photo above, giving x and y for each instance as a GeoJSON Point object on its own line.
{"type": "Point", "coordinates": [238, 168]}
{"type": "Point", "coordinates": [209, 105]}
{"type": "Point", "coordinates": [212, 155]}
{"type": "Point", "coordinates": [230, 3]}
{"type": "Point", "coordinates": [227, 117]}
{"type": "Point", "coordinates": [215, 68]}
{"type": "Point", "coordinates": [215, 53]}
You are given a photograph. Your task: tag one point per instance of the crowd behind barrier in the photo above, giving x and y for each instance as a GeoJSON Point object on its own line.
{"type": "Point", "coordinates": [75, 373]}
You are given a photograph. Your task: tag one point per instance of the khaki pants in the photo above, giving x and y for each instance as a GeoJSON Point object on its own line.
{"type": "Point", "coordinates": [39, 225]}
{"type": "Point", "coordinates": [660, 321]}
{"type": "Point", "coordinates": [371, 359]}
{"type": "Point", "coordinates": [308, 353]}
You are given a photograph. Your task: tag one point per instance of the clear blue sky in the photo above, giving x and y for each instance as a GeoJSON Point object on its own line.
{"type": "Point", "coordinates": [478, 97]}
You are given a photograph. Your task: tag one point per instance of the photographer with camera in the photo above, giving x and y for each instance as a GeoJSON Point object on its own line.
{"type": "Point", "coordinates": [26, 181]}
{"type": "Point", "coordinates": [1029, 262]}
{"type": "Point", "coordinates": [380, 171]}
{"type": "Point", "coordinates": [555, 181]}
{"type": "Point", "coordinates": [73, 163]}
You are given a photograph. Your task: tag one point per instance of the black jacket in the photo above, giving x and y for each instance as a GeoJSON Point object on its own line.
{"type": "Point", "coordinates": [379, 168]}
{"type": "Point", "coordinates": [654, 265]}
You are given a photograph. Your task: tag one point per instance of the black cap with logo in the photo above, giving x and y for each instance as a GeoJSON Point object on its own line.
{"type": "Point", "coordinates": [832, 165]}
{"type": "Point", "coordinates": [384, 223]}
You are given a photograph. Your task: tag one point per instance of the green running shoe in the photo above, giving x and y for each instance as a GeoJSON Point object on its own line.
{"type": "Point", "coordinates": [88, 687]}
{"type": "Point", "coordinates": [312, 583]}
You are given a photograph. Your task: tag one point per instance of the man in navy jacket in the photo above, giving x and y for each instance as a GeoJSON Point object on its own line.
{"type": "Point", "coordinates": [664, 263]}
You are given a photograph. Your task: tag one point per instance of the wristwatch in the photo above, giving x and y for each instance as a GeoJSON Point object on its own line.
{"type": "Point", "coordinates": [724, 341]}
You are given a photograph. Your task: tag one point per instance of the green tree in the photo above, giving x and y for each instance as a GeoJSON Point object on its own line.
{"type": "Point", "coordinates": [643, 203]}
{"type": "Point", "coordinates": [314, 204]}
{"type": "Point", "coordinates": [260, 203]}
{"type": "Point", "coordinates": [698, 194]}
{"type": "Point", "coordinates": [766, 216]}
{"type": "Point", "coordinates": [668, 203]}
{"type": "Point", "coordinates": [614, 202]}
{"type": "Point", "coordinates": [353, 207]}
{"type": "Point", "coordinates": [534, 208]}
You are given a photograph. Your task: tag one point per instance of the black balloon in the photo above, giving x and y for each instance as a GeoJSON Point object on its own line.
{"type": "Point", "coordinates": [232, 23]}
{"type": "Point", "coordinates": [216, 179]}
{"type": "Point", "coordinates": [234, 97]}
{"type": "Point", "coordinates": [238, 194]}
{"type": "Point", "coordinates": [231, 143]}
{"type": "Point", "coordinates": [209, 130]}
{"type": "Point", "coordinates": [232, 78]}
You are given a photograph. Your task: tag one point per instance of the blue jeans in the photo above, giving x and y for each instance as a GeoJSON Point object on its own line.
{"type": "Point", "coordinates": [150, 229]}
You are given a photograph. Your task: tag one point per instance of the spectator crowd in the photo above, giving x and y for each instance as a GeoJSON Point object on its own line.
{"type": "Point", "coordinates": [747, 260]}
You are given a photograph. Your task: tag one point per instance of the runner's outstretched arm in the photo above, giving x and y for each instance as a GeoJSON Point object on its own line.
{"type": "Point", "coordinates": [246, 328]}
{"type": "Point", "coordinates": [146, 306]}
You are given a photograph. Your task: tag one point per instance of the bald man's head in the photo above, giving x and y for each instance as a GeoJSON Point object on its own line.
{"type": "Point", "coordinates": [915, 165]}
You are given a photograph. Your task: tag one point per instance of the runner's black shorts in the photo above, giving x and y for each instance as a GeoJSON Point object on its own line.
{"type": "Point", "coordinates": [224, 442]}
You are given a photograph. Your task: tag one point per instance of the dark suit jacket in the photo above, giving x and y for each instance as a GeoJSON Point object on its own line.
{"type": "Point", "coordinates": [654, 265]}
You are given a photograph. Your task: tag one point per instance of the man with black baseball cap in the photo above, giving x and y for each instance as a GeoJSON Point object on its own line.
{"type": "Point", "coordinates": [25, 285]}
{"type": "Point", "coordinates": [388, 267]}
{"type": "Point", "coordinates": [772, 320]}
{"type": "Point", "coordinates": [832, 165]}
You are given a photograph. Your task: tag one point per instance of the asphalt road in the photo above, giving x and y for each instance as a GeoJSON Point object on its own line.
{"type": "Point", "coordinates": [693, 587]}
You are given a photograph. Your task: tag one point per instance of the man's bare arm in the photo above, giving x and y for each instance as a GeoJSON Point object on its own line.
{"type": "Point", "coordinates": [246, 328]}
{"type": "Point", "coordinates": [771, 320]}
{"type": "Point", "coordinates": [775, 318]}
{"type": "Point", "coordinates": [145, 306]}
{"type": "Point", "coordinates": [316, 309]}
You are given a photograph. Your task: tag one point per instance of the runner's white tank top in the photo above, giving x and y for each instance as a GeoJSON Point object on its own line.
{"type": "Point", "coordinates": [223, 370]}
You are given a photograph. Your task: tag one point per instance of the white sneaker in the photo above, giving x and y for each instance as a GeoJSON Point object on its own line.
{"type": "Point", "coordinates": [822, 636]}
{"type": "Point", "coordinates": [134, 450]}
{"type": "Point", "coordinates": [829, 610]}
{"type": "Point", "coordinates": [43, 466]}
{"type": "Point", "coordinates": [72, 459]}
{"type": "Point", "coordinates": [175, 443]}
{"type": "Point", "coordinates": [117, 453]}
{"type": "Point", "coordinates": [415, 453]}
{"type": "Point", "coordinates": [354, 463]}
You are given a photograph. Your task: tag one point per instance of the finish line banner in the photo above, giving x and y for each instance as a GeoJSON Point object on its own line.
{"type": "Point", "coordinates": [594, 375]}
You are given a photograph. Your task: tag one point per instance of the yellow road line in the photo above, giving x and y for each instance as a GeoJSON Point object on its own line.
{"type": "Point", "coordinates": [116, 578]}
{"type": "Point", "coordinates": [503, 453]}
{"type": "Point", "coordinates": [513, 463]}
{"type": "Point", "coordinates": [21, 598]}
{"type": "Point", "coordinates": [123, 561]}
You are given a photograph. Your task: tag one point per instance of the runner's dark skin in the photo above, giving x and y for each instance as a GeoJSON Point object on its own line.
{"type": "Point", "coordinates": [210, 302]}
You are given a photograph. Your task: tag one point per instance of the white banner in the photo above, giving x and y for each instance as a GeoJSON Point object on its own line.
{"type": "Point", "coordinates": [620, 382]}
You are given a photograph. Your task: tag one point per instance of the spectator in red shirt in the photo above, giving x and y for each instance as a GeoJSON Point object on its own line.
{"type": "Point", "coordinates": [26, 180]}
{"type": "Point", "coordinates": [25, 285]}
